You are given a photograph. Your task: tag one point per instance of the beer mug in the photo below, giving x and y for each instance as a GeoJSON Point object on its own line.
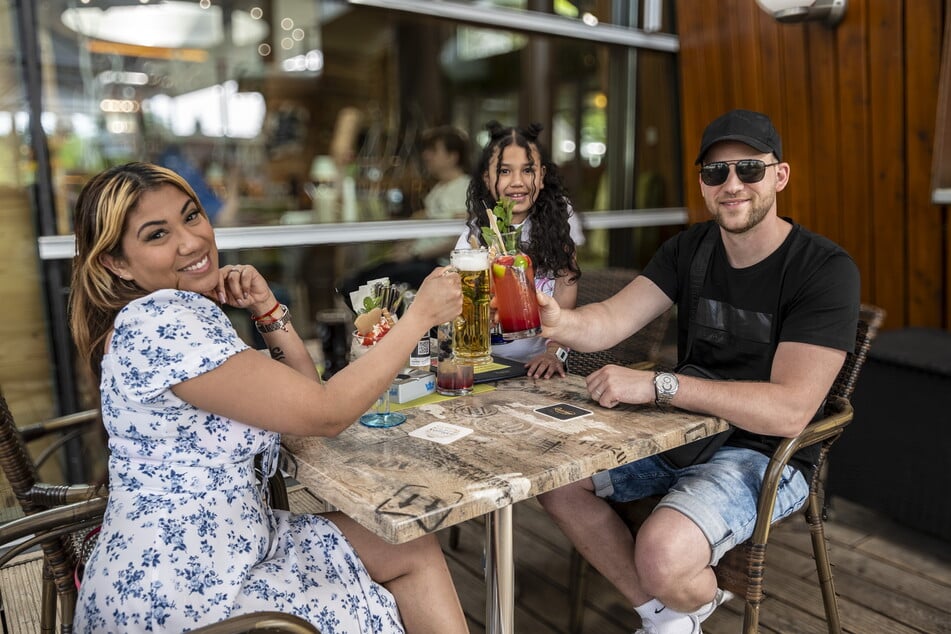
{"type": "Point", "coordinates": [471, 339]}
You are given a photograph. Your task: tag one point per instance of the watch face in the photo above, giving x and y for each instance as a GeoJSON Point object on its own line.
{"type": "Point", "coordinates": [665, 386]}
{"type": "Point", "coordinates": [562, 354]}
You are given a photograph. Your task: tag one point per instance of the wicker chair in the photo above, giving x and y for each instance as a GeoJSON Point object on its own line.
{"type": "Point", "coordinates": [58, 517]}
{"type": "Point", "coordinates": [742, 569]}
{"type": "Point", "coordinates": [643, 348]}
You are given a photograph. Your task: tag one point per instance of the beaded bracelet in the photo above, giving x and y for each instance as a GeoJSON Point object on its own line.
{"type": "Point", "coordinates": [267, 314]}
{"type": "Point", "coordinates": [277, 324]}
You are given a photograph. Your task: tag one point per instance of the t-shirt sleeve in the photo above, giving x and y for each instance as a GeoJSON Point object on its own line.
{"type": "Point", "coordinates": [463, 241]}
{"type": "Point", "coordinates": [170, 337]}
{"type": "Point", "coordinates": [672, 256]}
{"type": "Point", "coordinates": [574, 227]}
{"type": "Point", "coordinates": [825, 310]}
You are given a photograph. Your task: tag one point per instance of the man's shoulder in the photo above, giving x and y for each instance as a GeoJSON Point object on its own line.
{"type": "Point", "coordinates": [806, 236]}
{"type": "Point", "coordinates": [810, 245]}
{"type": "Point", "coordinates": [686, 241]}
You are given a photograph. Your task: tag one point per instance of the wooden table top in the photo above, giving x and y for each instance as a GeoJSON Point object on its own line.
{"type": "Point", "coordinates": [401, 487]}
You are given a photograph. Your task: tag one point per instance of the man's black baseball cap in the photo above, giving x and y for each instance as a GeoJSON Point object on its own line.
{"type": "Point", "coordinates": [752, 128]}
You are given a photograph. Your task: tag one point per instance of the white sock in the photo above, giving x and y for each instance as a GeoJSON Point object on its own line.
{"type": "Point", "coordinates": [705, 610]}
{"type": "Point", "coordinates": [664, 619]}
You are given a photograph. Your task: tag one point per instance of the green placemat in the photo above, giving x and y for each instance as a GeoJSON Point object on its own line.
{"type": "Point", "coordinates": [436, 397]}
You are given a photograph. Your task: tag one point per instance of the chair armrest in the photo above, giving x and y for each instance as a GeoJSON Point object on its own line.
{"type": "Point", "coordinates": [49, 523]}
{"type": "Point", "coordinates": [838, 414]}
{"type": "Point", "coordinates": [62, 423]}
{"type": "Point", "coordinates": [52, 495]}
{"type": "Point", "coordinates": [69, 427]}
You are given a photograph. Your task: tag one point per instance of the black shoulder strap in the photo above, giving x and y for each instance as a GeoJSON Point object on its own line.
{"type": "Point", "coordinates": [698, 273]}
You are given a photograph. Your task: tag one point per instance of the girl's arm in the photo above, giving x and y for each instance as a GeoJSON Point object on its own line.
{"type": "Point", "coordinates": [548, 364]}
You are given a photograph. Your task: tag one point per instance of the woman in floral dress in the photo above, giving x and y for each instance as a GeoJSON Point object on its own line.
{"type": "Point", "coordinates": [188, 537]}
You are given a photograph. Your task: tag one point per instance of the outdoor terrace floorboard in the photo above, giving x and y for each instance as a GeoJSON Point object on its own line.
{"type": "Point", "coordinates": [889, 579]}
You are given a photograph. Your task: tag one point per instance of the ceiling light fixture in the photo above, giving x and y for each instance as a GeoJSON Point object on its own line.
{"type": "Point", "coordinates": [171, 24]}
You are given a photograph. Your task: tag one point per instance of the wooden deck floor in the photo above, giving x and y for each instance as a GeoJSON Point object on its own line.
{"type": "Point", "coordinates": [889, 579]}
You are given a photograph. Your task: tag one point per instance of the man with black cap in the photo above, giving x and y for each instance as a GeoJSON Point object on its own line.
{"type": "Point", "coordinates": [767, 312]}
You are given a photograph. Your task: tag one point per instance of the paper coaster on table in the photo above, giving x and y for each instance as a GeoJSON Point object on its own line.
{"type": "Point", "coordinates": [563, 411]}
{"type": "Point", "coordinates": [443, 433]}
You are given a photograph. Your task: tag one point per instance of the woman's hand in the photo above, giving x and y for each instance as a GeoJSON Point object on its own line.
{"type": "Point", "coordinates": [439, 297]}
{"type": "Point", "coordinates": [241, 286]}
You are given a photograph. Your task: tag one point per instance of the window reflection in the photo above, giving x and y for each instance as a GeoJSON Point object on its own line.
{"type": "Point", "coordinates": [251, 100]}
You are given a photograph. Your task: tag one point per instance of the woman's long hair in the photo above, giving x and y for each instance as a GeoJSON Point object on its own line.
{"type": "Point", "coordinates": [102, 209]}
{"type": "Point", "coordinates": [550, 244]}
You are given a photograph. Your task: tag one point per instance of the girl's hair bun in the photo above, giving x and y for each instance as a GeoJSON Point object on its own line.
{"type": "Point", "coordinates": [533, 130]}
{"type": "Point", "coordinates": [495, 129]}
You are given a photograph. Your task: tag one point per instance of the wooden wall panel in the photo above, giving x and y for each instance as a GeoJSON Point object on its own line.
{"type": "Point", "coordinates": [856, 106]}
{"type": "Point", "coordinates": [855, 157]}
{"type": "Point", "coordinates": [826, 165]}
{"type": "Point", "coordinates": [923, 22]}
{"type": "Point", "coordinates": [799, 198]}
{"type": "Point", "coordinates": [885, 283]}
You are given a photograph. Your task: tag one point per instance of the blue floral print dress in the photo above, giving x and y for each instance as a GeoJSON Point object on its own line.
{"type": "Point", "coordinates": [188, 538]}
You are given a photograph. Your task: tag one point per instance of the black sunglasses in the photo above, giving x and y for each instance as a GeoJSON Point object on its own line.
{"type": "Point", "coordinates": [747, 170]}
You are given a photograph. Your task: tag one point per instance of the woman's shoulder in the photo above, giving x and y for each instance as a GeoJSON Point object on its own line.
{"type": "Point", "coordinates": [169, 306]}
{"type": "Point", "coordinates": [169, 299]}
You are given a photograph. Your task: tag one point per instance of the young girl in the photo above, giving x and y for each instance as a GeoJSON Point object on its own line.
{"type": "Point", "coordinates": [188, 538]}
{"type": "Point", "coordinates": [515, 165]}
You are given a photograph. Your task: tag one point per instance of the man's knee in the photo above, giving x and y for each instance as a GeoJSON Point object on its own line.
{"type": "Point", "coordinates": [561, 501]}
{"type": "Point", "coordinates": [667, 547]}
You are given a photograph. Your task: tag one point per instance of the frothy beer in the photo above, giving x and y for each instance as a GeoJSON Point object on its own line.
{"type": "Point", "coordinates": [471, 339]}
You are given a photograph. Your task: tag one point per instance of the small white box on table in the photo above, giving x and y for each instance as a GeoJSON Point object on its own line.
{"type": "Point", "coordinates": [411, 385]}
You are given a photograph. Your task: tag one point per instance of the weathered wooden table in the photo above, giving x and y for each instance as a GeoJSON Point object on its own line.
{"type": "Point", "coordinates": [401, 487]}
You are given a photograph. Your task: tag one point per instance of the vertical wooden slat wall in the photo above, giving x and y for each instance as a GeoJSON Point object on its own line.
{"type": "Point", "coordinates": [856, 106]}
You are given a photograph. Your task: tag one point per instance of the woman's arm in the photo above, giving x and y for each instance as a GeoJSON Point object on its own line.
{"type": "Point", "coordinates": [262, 392]}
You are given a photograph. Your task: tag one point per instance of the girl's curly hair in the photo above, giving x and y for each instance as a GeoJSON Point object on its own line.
{"type": "Point", "coordinates": [550, 244]}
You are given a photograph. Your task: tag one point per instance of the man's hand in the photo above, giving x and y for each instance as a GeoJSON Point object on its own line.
{"type": "Point", "coordinates": [614, 384]}
{"type": "Point", "coordinates": [550, 313]}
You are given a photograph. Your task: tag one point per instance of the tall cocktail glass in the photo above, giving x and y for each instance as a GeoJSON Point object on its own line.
{"type": "Point", "coordinates": [471, 340]}
{"type": "Point", "coordinates": [513, 280]}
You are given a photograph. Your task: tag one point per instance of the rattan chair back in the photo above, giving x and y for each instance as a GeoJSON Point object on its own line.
{"type": "Point", "coordinates": [59, 517]}
{"type": "Point", "coordinates": [59, 549]}
{"type": "Point", "coordinates": [642, 348]}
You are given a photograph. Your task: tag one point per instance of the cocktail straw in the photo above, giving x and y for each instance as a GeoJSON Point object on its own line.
{"type": "Point", "coordinates": [495, 228]}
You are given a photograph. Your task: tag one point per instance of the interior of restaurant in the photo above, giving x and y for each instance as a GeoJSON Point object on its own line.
{"type": "Point", "coordinates": [292, 116]}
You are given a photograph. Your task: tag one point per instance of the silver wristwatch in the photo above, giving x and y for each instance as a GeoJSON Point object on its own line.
{"type": "Point", "coordinates": [665, 387]}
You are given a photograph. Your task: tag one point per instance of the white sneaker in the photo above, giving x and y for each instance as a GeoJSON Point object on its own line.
{"type": "Point", "coordinates": [721, 597]}
{"type": "Point", "coordinates": [650, 627]}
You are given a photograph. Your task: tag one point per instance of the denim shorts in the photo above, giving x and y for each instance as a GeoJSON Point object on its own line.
{"type": "Point", "coordinates": [719, 496]}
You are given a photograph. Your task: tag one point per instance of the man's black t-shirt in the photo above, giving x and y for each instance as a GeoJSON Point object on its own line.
{"type": "Point", "coordinates": [806, 291]}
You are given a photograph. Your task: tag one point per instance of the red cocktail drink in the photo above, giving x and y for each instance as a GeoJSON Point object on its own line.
{"type": "Point", "coordinates": [454, 379]}
{"type": "Point", "coordinates": [513, 278]}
